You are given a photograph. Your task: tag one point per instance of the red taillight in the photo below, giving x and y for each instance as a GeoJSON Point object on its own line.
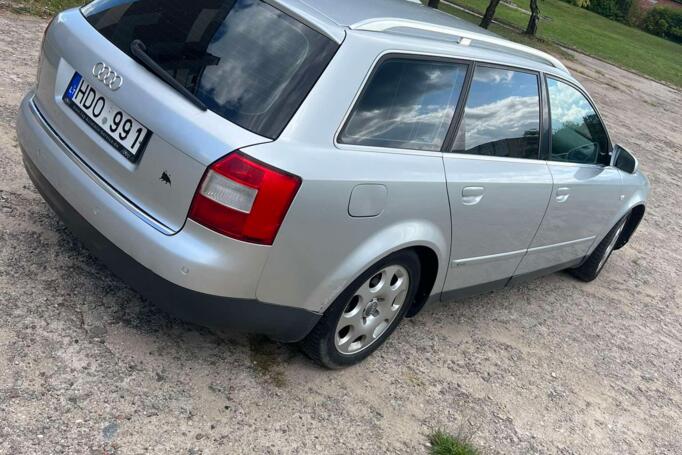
{"type": "Point", "coordinates": [244, 199]}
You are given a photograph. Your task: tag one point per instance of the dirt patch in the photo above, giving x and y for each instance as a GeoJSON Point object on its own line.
{"type": "Point", "coordinates": [554, 366]}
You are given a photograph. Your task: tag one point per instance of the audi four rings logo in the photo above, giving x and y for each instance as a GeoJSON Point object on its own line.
{"type": "Point", "coordinates": [107, 75]}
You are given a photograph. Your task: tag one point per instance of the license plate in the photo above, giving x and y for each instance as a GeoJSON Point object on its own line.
{"type": "Point", "coordinates": [119, 129]}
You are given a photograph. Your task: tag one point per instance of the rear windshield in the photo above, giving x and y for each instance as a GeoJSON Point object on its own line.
{"type": "Point", "coordinates": [246, 60]}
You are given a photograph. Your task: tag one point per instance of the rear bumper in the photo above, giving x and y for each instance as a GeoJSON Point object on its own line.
{"type": "Point", "coordinates": [70, 192]}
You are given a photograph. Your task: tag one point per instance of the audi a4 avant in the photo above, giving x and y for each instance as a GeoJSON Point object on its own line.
{"type": "Point", "coordinates": [317, 170]}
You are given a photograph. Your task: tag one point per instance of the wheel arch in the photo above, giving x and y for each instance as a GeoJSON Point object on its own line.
{"type": "Point", "coordinates": [425, 238]}
{"type": "Point", "coordinates": [636, 216]}
{"type": "Point", "coordinates": [428, 260]}
{"type": "Point", "coordinates": [429, 263]}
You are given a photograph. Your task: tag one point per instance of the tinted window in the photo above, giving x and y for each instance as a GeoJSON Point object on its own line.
{"type": "Point", "coordinates": [408, 104]}
{"type": "Point", "coordinates": [578, 135]}
{"type": "Point", "coordinates": [502, 115]}
{"type": "Point", "coordinates": [246, 60]}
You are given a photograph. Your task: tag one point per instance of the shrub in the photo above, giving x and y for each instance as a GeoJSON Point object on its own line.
{"type": "Point", "coordinates": [665, 22]}
{"type": "Point", "coordinates": [618, 10]}
{"type": "Point", "coordinates": [636, 15]}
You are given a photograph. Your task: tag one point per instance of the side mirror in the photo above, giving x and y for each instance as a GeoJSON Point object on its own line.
{"type": "Point", "coordinates": [622, 159]}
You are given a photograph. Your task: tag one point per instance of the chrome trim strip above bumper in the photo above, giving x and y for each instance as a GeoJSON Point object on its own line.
{"type": "Point", "coordinates": [94, 176]}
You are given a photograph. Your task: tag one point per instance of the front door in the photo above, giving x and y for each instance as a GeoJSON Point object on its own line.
{"type": "Point", "coordinates": [587, 191]}
{"type": "Point", "coordinates": [498, 187]}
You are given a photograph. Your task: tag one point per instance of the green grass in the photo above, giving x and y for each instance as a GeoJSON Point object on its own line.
{"type": "Point", "coordinates": [445, 444]}
{"type": "Point", "coordinates": [577, 28]}
{"type": "Point", "coordinates": [514, 35]}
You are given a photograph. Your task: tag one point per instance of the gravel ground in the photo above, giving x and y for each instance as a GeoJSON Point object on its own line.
{"type": "Point", "coordinates": [554, 366]}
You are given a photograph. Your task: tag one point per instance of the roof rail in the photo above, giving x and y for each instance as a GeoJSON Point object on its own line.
{"type": "Point", "coordinates": [465, 37]}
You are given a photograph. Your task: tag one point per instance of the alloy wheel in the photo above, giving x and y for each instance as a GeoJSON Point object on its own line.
{"type": "Point", "coordinates": [372, 309]}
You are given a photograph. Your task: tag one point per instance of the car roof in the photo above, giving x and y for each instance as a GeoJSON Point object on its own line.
{"type": "Point", "coordinates": [408, 19]}
{"type": "Point", "coordinates": [347, 13]}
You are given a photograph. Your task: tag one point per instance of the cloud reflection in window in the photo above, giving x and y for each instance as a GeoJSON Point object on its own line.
{"type": "Point", "coordinates": [502, 115]}
{"type": "Point", "coordinates": [408, 104]}
{"type": "Point", "coordinates": [578, 136]}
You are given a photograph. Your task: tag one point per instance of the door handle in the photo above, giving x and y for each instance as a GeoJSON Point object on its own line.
{"type": "Point", "coordinates": [562, 194]}
{"type": "Point", "coordinates": [472, 195]}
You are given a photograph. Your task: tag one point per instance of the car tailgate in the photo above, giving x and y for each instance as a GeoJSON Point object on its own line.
{"type": "Point", "coordinates": [184, 139]}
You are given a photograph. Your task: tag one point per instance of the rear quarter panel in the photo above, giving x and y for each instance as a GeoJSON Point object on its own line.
{"type": "Point", "coordinates": [320, 248]}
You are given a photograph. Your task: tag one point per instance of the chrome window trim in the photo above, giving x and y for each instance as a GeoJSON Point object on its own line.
{"type": "Point", "coordinates": [371, 148]}
{"type": "Point", "coordinates": [569, 164]}
{"type": "Point", "coordinates": [368, 148]}
{"type": "Point", "coordinates": [503, 159]}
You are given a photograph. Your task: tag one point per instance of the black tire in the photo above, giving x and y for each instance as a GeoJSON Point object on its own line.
{"type": "Point", "coordinates": [595, 263]}
{"type": "Point", "coordinates": [320, 343]}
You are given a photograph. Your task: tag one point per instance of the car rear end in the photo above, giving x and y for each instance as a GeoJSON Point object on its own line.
{"type": "Point", "coordinates": [145, 156]}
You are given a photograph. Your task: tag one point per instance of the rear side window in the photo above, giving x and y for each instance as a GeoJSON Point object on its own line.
{"type": "Point", "coordinates": [578, 135]}
{"type": "Point", "coordinates": [408, 104]}
{"type": "Point", "coordinates": [246, 60]}
{"type": "Point", "coordinates": [502, 115]}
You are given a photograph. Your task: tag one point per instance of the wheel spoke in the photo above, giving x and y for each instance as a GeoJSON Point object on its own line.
{"type": "Point", "coordinates": [380, 328]}
{"type": "Point", "coordinates": [397, 300]}
{"type": "Point", "coordinates": [381, 286]}
{"type": "Point", "coordinates": [341, 342]}
{"type": "Point", "coordinates": [395, 295]}
{"type": "Point", "coordinates": [364, 293]}
{"type": "Point", "coordinates": [367, 327]}
{"type": "Point", "coordinates": [355, 319]}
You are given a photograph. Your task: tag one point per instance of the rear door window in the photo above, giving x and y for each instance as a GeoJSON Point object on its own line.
{"type": "Point", "coordinates": [246, 60]}
{"type": "Point", "coordinates": [501, 116]}
{"type": "Point", "coordinates": [407, 104]}
{"type": "Point", "coordinates": [578, 135]}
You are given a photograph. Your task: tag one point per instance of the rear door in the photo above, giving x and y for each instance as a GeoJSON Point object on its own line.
{"type": "Point", "coordinates": [498, 186]}
{"type": "Point", "coordinates": [587, 191]}
{"type": "Point", "coordinates": [250, 64]}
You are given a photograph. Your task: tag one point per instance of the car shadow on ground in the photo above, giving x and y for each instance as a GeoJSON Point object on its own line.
{"type": "Point", "coordinates": [101, 301]}
{"type": "Point", "coordinates": [105, 306]}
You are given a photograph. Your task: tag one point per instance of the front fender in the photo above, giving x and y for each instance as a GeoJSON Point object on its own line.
{"type": "Point", "coordinates": [635, 190]}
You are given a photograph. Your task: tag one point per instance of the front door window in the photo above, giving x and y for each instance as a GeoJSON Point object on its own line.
{"type": "Point", "coordinates": [578, 135]}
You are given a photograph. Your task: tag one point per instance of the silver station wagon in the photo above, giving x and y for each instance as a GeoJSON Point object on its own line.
{"type": "Point", "coordinates": [317, 170]}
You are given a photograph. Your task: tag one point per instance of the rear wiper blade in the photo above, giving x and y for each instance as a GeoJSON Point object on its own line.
{"type": "Point", "coordinates": [139, 50]}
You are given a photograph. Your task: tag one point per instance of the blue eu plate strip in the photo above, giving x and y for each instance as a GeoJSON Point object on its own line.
{"type": "Point", "coordinates": [75, 82]}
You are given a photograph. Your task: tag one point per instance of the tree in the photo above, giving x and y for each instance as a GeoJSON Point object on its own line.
{"type": "Point", "coordinates": [534, 18]}
{"type": "Point", "coordinates": [489, 13]}
{"type": "Point", "coordinates": [434, 3]}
